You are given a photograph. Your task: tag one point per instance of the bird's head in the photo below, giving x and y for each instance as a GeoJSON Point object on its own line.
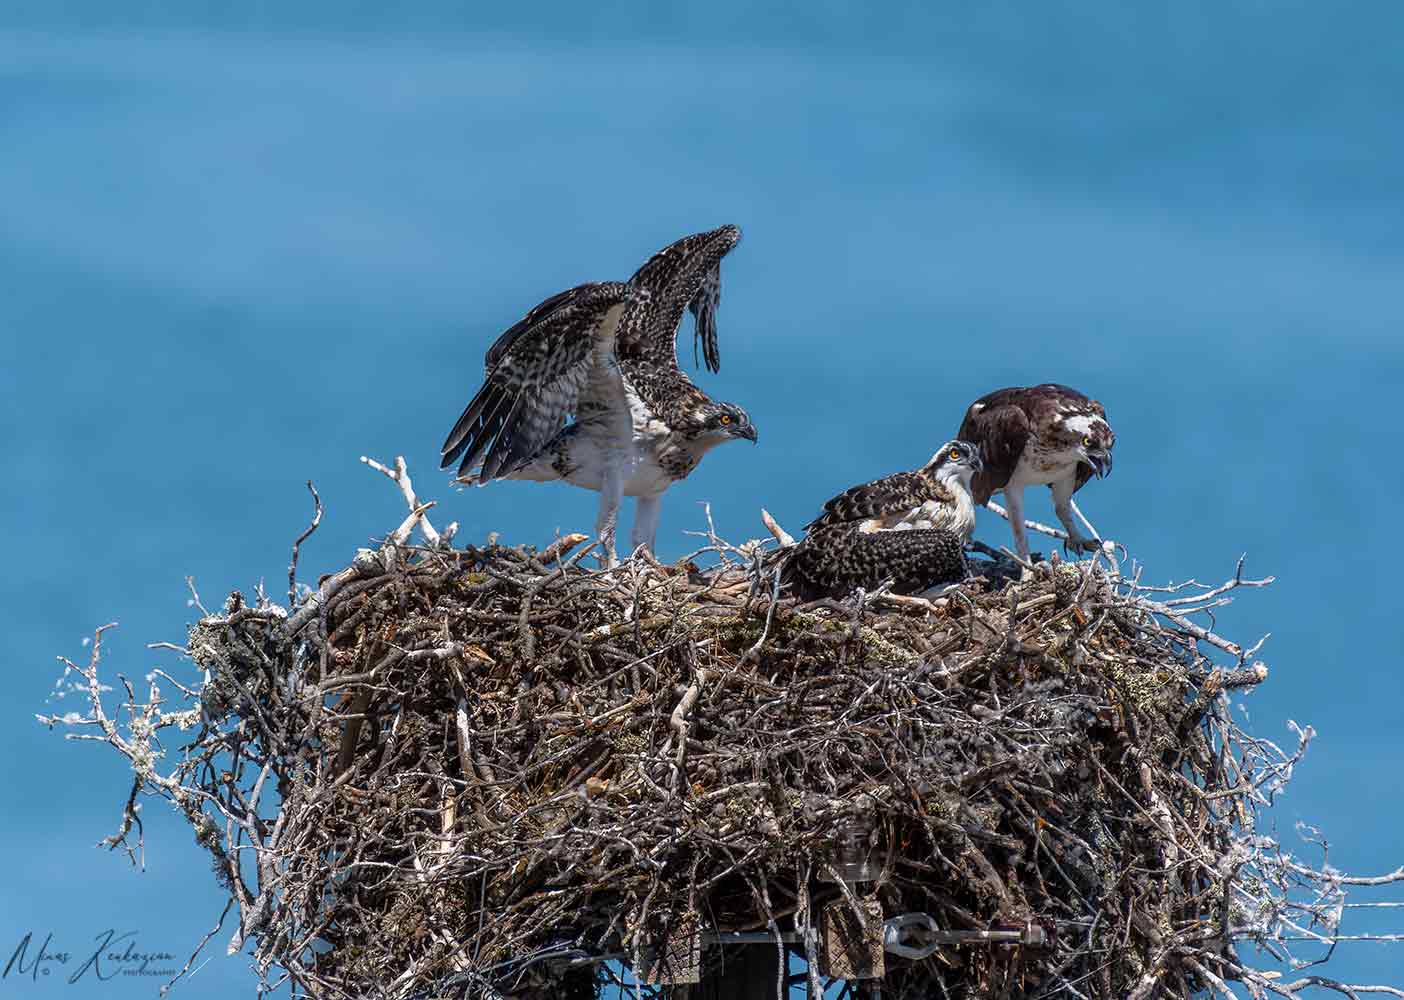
{"type": "Point", "coordinates": [718, 422]}
{"type": "Point", "coordinates": [955, 460]}
{"type": "Point", "coordinates": [1091, 439]}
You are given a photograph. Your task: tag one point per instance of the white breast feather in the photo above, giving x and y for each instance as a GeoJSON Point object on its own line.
{"type": "Point", "coordinates": [646, 426]}
{"type": "Point", "coordinates": [931, 514]}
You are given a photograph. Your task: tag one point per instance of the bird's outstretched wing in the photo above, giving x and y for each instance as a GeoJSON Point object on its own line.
{"type": "Point", "coordinates": [1000, 426]}
{"type": "Point", "coordinates": [535, 372]}
{"type": "Point", "coordinates": [898, 493]}
{"type": "Point", "coordinates": [833, 561]}
{"type": "Point", "coordinates": [683, 275]}
{"type": "Point", "coordinates": [704, 306]}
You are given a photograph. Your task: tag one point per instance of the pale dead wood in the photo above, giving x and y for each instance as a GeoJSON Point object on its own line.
{"type": "Point", "coordinates": [537, 760]}
{"type": "Point", "coordinates": [778, 533]}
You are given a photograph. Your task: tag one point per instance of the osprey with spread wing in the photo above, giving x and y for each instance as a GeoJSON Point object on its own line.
{"type": "Point", "coordinates": [606, 354]}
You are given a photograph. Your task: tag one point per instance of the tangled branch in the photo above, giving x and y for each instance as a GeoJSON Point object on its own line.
{"type": "Point", "coordinates": [477, 771]}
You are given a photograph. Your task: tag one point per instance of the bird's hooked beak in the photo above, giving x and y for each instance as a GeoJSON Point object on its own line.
{"type": "Point", "coordinates": [748, 432]}
{"type": "Point", "coordinates": [1101, 462]}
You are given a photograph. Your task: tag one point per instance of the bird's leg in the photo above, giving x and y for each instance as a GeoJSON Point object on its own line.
{"type": "Point", "coordinates": [611, 496]}
{"type": "Point", "coordinates": [646, 511]}
{"type": "Point", "coordinates": [1014, 501]}
{"type": "Point", "coordinates": [1062, 505]}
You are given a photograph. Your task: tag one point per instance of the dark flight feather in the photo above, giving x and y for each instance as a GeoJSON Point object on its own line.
{"type": "Point", "coordinates": [684, 275]}
{"type": "Point", "coordinates": [704, 314]}
{"type": "Point", "coordinates": [535, 373]}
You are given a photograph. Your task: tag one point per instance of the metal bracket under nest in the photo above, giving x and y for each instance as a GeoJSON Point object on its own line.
{"type": "Point", "coordinates": [677, 958]}
{"type": "Point", "coordinates": [916, 936]}
{"type": "Point", "coordinates": [850, 950]}
{"type": "Point", "coordinates": [851, 944]}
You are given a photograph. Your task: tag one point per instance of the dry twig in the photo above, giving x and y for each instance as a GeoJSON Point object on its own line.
{"type": "Point", "coordinates": [558, 763]}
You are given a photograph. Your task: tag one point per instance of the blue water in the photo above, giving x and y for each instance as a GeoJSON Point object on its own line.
{"type": "Point", "coordinates": [240, 250]}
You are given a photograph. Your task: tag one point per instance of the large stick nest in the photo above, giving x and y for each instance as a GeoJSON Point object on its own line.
{"type": "Point", "coordinates": [474, 772]}
{"type": "Point", "coordinates": [553, 757]}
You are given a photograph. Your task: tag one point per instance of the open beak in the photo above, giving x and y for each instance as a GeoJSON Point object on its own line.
{"type": "Point", "coordinates": [1101, 462]}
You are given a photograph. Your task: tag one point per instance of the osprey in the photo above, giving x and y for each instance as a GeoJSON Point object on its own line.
{"type": "Point", "coordinates": [910, 527]}
{"type": "Point", "coordinates": [606, 354]}
{"type": "Point", "coordinates": [1035, 435]}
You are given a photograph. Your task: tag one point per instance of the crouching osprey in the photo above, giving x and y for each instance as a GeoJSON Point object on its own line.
{"type": "Point", "coordinates": [606, 354]}
{"type": "Point", "coordinates": [1043, 434]}
{"type": "Point", "coordinates": [910, 527]}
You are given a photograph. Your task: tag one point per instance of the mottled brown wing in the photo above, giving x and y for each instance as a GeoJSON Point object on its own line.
{"type": "Point", "coordinates": [683, 275]}
{"type": "Point", "coordinates": [571, 296]}
{"type": "Point", "coordinates": [1000, 426]}
{"type": "Point", "coordinates": [836, 560]}
{"type": "Point", "coordinates": [900, 491]}
{"type": "Point", "coordinates": [535, 372]}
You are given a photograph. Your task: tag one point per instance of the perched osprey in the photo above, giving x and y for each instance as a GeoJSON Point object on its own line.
{"type": "Point", "coordinates": [910, 527]}
{"type": "Point", "coordinates": [606, 354]}
{"type": "Point", "coordinates": [1035, 435]}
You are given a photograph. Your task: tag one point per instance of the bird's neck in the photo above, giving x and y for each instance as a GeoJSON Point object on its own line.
{"type": "Point", "coordinates": [964, 520]}
{"type": "Point", "coordinates": [680, 455]}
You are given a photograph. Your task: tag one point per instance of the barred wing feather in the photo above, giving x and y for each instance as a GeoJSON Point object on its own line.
{"type": "Point", "coordinates": [685, 275]}
{"type": "Point", "coordinates": [535, 373]}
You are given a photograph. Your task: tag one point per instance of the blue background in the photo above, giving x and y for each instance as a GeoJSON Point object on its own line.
{"type": "Point", "coordinates": [239, 251]}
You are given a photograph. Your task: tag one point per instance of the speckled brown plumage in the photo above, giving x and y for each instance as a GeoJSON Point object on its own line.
{"type": "Point", "coordinates": [910, 527]}
{"type": "Point", "coordinates": [897, 494]}
{"type": "Point", "coordinates": [1004, 422]}
{"type": "Point", "coordinates": [1042, 435]}
{"type": "Point", "coordinates": [605, 354]}
{"type": "Point", "coordinates": [535, 373]}
{"type": "Point", "coordinates": [683, 275]}
{"type": "Point", "coordinates": [574, 352]}
{"type": "Point", "coordinates": [836, 560]}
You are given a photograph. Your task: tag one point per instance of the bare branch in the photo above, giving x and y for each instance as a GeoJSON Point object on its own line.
{"type": "Point", "coordinates": [297, 545]}
{"type": "Point", "coordinates": [490, 770]}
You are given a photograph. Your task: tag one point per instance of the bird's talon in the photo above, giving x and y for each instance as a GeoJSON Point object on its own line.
{"type": "Point", "coordinates": [1079, 545]}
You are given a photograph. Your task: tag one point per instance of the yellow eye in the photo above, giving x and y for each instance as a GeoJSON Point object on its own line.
{"type": "Point", "coordinates": [955, 455]}
{"type": "Point", "coordinates": [725, 419]}
{"type": "Point", "coordinates": [1087, 442]}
